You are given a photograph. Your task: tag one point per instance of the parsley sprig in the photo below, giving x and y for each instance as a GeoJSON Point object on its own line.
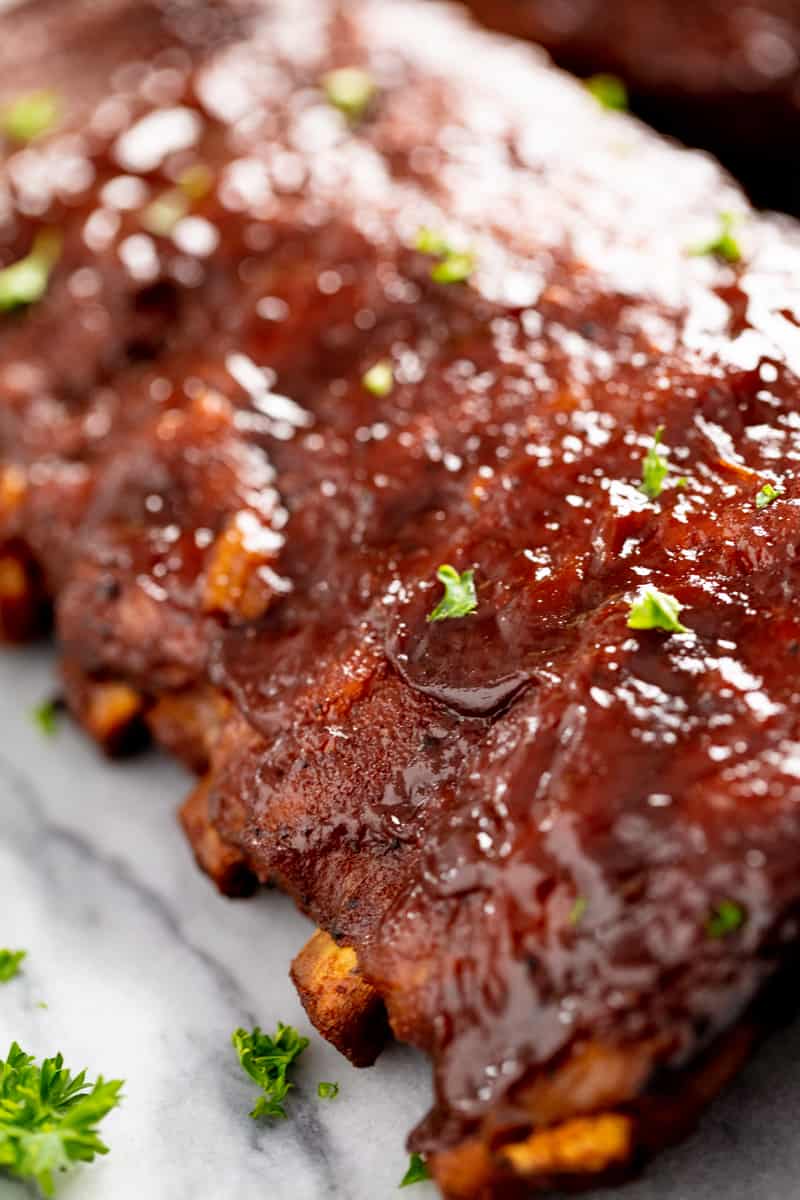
{"type": "Point", "coordinates": [163, 214]}
{"type": "Point", "coordinates": [49, 1117]}
{"type": "Point", "coordinates": [379, 379]}
{"type": "Point", "coordinates": [724, 245]}
{"type": "Point", "coordinates": [267, 1061]}
{"type": "Point", "coordinates": [25, 281]}
{"type": "Point", "coordinates": [350, 89]}
{"type": "Point", "coordinates": [654, 468]}
{"type": "Point", "coordinates": [609, 91]}
{"type": "Point", "coordinates": [460, 597]}
{"type": "Point", "coordinates": [726, 917]}
{"type": "Point", "coordinates": [454, 266]}
{"type": "Point", "coordinates": [417, 1171]}
{"type": "Point", "coordinates": [30, 115]}
{"type": "Point", "coordinates": [766, 495]}
{"type": "Point", "coordinates": [653, 609]}
{"type": "Point", "coordinates": [10, 963]}
{"type": "Point", "coordinates": [45, 717]}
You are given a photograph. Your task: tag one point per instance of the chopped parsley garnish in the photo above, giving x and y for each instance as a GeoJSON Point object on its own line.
{"type": "Point", "coordinates": [196, 181]}
{"type": "Point", "coordinates": [428, 241]}
{"type": "Point", "coordinates": [48, 1117]}
{"type": "Point", "coordinates": [653, 609]}
{"type": "Point", "coordinates": [350, 89]}
{"type": "Point", "coordinates": [724, 245]}
{"type": "Point", "coordinates": [578, 910]}
{"type": "Point", "coordinates": [379, 379]}
{"type": "Point", "coordinates": [726, 917]}
{"type": "Point", "coordinates": [459, 597]}
{"type": "Point", "coordinates": [609, 91]}
{"type": "Point", "coordinates": [328, 1091]}
{"type": "Point", "coordinates": [654, 468]}
{"type": "Point", "coordinates": [29, 116]}
{"type": "Point", "coordinates": [10, 963]}
{"type": "Point", "coordinates": [25, 281]}
{"type": "Point", "coordinates": [163, 214]}
{"type": "Point", "coordinates": [454, 266]}
{"type": "Point", "coordinates": [767, 494]}
{"type": "Point", "coordinates": [267, 1061]}
{"type": "Point", "coordinates": [45, 715]}
{"type": "Point", "coordinates": [417, 1171]}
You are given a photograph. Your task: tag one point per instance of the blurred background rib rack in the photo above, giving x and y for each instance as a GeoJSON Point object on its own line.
{"type": "Point", "coordinates": [723, 75]}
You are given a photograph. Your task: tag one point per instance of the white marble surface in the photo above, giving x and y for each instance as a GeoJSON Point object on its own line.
{"type": "Point", "coordinates": [146, 972]}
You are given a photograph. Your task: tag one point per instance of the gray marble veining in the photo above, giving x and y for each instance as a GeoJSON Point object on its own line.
{"type": "Point", "coordinates": [145, 972]}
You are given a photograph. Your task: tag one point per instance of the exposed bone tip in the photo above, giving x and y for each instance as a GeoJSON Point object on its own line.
{"type": "Point", "coordinates": [342, 1006]}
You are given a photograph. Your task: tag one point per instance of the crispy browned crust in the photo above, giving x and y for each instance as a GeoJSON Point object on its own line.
{"type": "Point", "coordinates": [188, 723]}
{"type": "Point", "coordinates": [237, 583]}
{"type": "Point", "coordinates": [341, 1005]}
{"type": "Point", "coordinates": [591, 1116]}
{"type": "Point", "coordinates": [628, 1116]}
{"type": "Point", "coordinates": [111, 711]}
{"type": "Point", "coordinates": [24, 608]}
{"type": "Point", "coordinates": [223, 863]}
{"type": "Point", "coordinates": [23, 604]}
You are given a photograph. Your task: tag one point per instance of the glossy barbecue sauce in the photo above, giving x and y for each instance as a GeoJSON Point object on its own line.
{"type": "Point", "coordinates": [718, 76]}
{"type": "Point", "coordinates": [539, 827]}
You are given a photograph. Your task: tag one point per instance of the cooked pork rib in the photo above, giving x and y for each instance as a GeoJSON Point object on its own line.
{"type": "Point", "coordinates": [563, 853]}
{"type": "Point", "coordinates": [722, 74]}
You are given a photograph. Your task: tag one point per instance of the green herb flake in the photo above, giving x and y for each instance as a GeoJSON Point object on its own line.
{"type": "Point", "coordinates": [45, 716]}
{"type": "Point", "coordinates": [29, 116]}
{"type": "Point", "coordinates": [10, 963]}
{"type": "Point", "coordinates": [25, 281]}
{"type": "Point", "coordinates": [196, 181]}
{"type": "Point", "coordinates": [578, 910]}
{"type": "Point", "coordinates": [654, 468]}
{"type": "Point", "coordinates": [609, 91]}
{"type": "Point", "coordinates": [379, 379]}
{"type": "Point", "coordinates": [48, 1117]}
{"type": "Point", "coordinates": [767, 494]}
{"type": "Point", "coordinates": [267, 1061]}
{"type": "Point", "coordinates": [417, 1171]}
{"type": "Point", "coordinates": [725, 245]}
{"type": "Point", "coordinates": [162, 214]}
{"type": "Point", "coordinates": [653, 609]}
{"type": "Point", "coordinates": [454, 266]}
{"type": "Point", "coordinates": [726, 917]}
{"type": "Point", "coordinates": [328, 1091]}
{"type": "Point", "coordinates": [429, 241]}
{"type": "Point", "coordinates": [350, 89]}
{"type": "Point", "coordinates": [459, 599]}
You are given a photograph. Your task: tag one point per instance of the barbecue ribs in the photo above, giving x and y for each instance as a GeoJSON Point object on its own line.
{"type": "Point", "coordinates": [723, 74]}
{"type": "Point", "coordinates": [559, 853]}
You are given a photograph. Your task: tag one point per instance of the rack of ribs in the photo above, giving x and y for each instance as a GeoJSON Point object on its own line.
{"type": "Point", "coordinates": [720, 75]}
{"type": "Point", "coordinates": [557, 853]}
